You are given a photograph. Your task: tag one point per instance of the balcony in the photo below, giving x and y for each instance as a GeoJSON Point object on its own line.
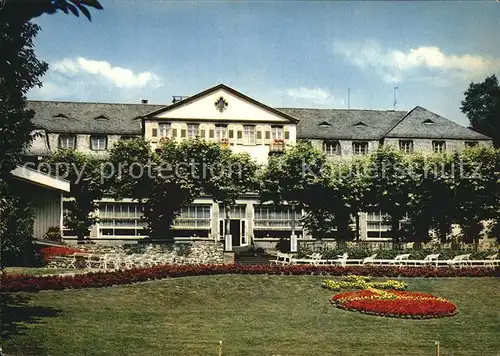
{"type": "Point", "coordinates": [277, 147]}
{"type": "Point", "coordinates": [224, 143]}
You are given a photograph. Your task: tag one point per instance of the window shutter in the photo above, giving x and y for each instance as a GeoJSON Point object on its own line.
{"type": "Point", "coordinates": [231, 134]}
{"type": "Point", "coordinates": [211, 133]}
{"type": "Point", "coordinates": [240, 135]}
{"type": "Point", "coordinates": [183, 132]}
{"type": "Point", "coordinates": [174, 132]}
{"type": "Point", "coordinates": [154, 133]}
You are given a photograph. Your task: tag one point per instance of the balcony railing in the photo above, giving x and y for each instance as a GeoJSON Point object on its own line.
{"type": "Point", "coordinates": [277, 147]}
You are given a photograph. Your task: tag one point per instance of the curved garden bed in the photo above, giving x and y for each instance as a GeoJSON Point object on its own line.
{"type": "Point", "coordinates": [395, 303]}
{"type": "Point", "coordinates": [15, 283]}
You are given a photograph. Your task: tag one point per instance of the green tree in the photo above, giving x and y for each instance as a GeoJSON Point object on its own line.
{"type": "Point", "coordinates": [299, 177]}
{"type": "Point", "coordinates": [86, 188]}
{"type": "Point", "coordinates": [176, 174]}
{"type": "Point", "coordinates": [482, 107]}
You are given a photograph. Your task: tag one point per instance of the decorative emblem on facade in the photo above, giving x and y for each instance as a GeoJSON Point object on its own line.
{"type": "Point", "coordinates": [221, 104]}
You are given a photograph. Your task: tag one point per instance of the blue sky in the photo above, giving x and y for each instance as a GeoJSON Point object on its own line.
{"type": "Point", "coordinates": [283, 53]}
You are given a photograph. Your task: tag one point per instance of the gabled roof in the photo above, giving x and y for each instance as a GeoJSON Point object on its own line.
{"type": "Point", "coordinates": [80, 117]}
{"type": "Point", "coordinates": [342, 123]}
{"type": "Point", "coordinates": [422, 123]}
{"type": "Point", "coordinates": [190, 99]}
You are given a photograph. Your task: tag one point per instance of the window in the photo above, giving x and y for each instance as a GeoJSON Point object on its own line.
{"type": "Point", "coordinates": [438, 146]}
{"type": "Point", "coordinates": [268, 135]}
{"type": "Point", "coordinates": [154, 132]}
{"type": "Point", "coordinates": [174, 132]}
{"type": "Point", "coordinates": [287, 135]}
{"type": "Point", "coordinates": [164, 129]}
{"type": "Point", "coordinates": [249, 135]}
{"type": "Point", "coordinates": [183, 132]}
{"type": "Point", "coordinates": [331, 148]}
{"type": "Point", "coordinates": [259, 135]}
{"type": "Point", "coordinates": [211, 133]}
{"type": "Point", "coordinates": [360, 148]}
{"type": "Point", "coordinates": [192, 130]}
{"type": "Point", "coordinates": [377, 224]}
{"type": "Point", "coordinates": [231, 133]}
{"type": "Point", "coordinates": [121, 219]}
{"type": "Point", "coordinates": [269, 218]}
{"type": "Point", "coordinates": [194, 216]}
{"type": "Point", "coordinates": [239, 135]}
{"type": "Point", "coordinates": [406, 146]}
{"type": "Point", "coordinates": [220, 132]}
{"type": "Point", "coordinates": [67, 142]}
{"type": "Point", "coordinates": [277, 133]}
{"type": "Point", "coordinates": [98, 143]}
{"type": "Point", "coordinates": [471, 143]}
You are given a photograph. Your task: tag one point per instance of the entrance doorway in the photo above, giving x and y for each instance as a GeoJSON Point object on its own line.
{"type": "Point", "coordinates": [237, 230]}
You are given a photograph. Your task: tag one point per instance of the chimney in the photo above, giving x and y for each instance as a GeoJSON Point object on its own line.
{"type": "Point", "coordinates": [144, 101]}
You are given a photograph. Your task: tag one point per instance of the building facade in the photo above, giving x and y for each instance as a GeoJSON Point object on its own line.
{"type": "Point", "coordinates": [222, 114]}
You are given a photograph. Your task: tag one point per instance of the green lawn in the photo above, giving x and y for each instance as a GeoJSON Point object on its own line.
{"type": "Point", "coordinates": [40, 271]}
{"type": "Point", "coordinates": [253, 315]}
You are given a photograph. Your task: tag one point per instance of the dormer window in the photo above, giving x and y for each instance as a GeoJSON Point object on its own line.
{"type": "Point", "coordinates": [67, 142]}
{"type": "Point", "coordinates": [428, 122]}
{"type": "Point", "coordinates": [98, 143]}
{"type": "Point", "coordinates": [331, 148]}
{"type": "Point", "coordinates": [164, 129]}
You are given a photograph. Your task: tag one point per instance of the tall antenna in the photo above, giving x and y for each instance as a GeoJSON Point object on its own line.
{"type": "Point", "coordinates": [348, 98]}
{"type": "Point", "coordinates": [395, 97]}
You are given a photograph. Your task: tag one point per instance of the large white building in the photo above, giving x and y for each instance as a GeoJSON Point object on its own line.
{"type": "Point", "coordinates": [222, 114]}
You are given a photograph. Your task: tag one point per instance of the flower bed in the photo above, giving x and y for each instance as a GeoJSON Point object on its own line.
{"type": "Point", "coordinates": [397, 304]}
{"type": "Point", "coordinates": [48, 253]}
{"type": "Point", "coordinates": [362, 282]}
{"type": "Point", "coordinates": [14, 283]}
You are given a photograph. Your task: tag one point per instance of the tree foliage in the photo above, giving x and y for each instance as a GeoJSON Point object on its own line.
{"type": "Point", "coordinates": [86, 188]}
{"type": "Point", "coordinates": [24, 11]}
{"type": "Point", "coordinates": [482, 107]}
{"type": "Point", "coordinates": [174, 175]}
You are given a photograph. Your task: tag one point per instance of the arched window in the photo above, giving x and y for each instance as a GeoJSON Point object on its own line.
{"type": "Point", "coordinates": [332, 148]}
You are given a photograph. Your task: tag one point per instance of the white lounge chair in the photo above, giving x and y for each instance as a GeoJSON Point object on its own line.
{"type": "Point", "coordinates": [400, 259]}
{"type": "Point", "coordinates": [429, 259]}
{"type": "Point", "coordinates": [282, 259]}
{"type": "Point", "coordinates": [369, 259]}
{"type": "Point", "coordinates": [315, 259]}
{"type": "Point", "coordinates": [341, 259]}
{"type": "Point", "coordinates": [459, 260]}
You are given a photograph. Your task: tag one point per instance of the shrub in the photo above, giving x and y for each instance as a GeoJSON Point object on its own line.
{"type": "Point", "coordinates": [53, 234]}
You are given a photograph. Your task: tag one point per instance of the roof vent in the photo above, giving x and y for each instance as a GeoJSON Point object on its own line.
{"type": "Point", "coordinates": [428, 122]}
{"type": "Point", "coordinates": [60, 116]}
{"type": "Point", "coordinates": [144, 101]}
{"type": "Point", "coordinates": [324, 124]}
{"type": "Point", "coordinates": [177, 98]}
{"type": "Point", "coordinates": [359, 124]}
{"type": "Point", "coordinates": [101, 117]}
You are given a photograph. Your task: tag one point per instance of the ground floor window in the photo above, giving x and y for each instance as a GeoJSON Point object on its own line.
{"type": "Point", "coordinates": [194, 217]}
{"type": "Point", "coordinates": [121, 219]}
{"type": "Point", "coordinates": [274, 222]}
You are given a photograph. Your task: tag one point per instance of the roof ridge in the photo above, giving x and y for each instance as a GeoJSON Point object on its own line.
{"type": "Point", "coordinates": [91, 102]}
{"type": "Point", "coordinates": [343, 109]}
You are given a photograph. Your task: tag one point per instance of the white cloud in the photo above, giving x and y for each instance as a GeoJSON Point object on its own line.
{"type": "Point", "coordinates": [120, 77]}
{"type": "Point", "coordinates": [395, 65]}
{"type": "Point", "coordinates": [316, 95]}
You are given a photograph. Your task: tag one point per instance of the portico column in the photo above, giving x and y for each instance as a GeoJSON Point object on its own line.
{"type": "Point", "coordinates": [293, 237]}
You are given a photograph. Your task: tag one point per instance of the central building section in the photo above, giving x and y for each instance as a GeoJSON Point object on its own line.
{"type": "Point", "coordinates": [227, 117]}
